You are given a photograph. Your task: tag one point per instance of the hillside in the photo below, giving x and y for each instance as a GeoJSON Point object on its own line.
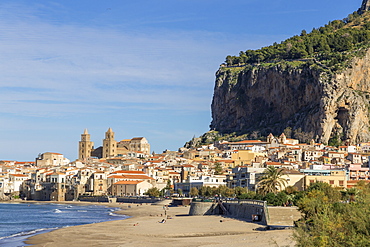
{"type": "Point", "coordinates": [314, 85]}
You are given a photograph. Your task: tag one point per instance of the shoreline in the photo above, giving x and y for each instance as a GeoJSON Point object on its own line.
{"type": "Point", "coordinates": [142, 228]}
{"type": "Point", "coordinates": [19, 238]}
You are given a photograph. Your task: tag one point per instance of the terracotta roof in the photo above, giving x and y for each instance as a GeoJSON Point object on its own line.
{"type": "Point", "coordinates": [137, 138]}
{"type": "Point", "coordinates": [188, 166]}
{"type": "Point", "coordinates": [18, 175]}
{"type": "Point", "coordinates": [226, 161]}
{"type": "Point", "coordinates": [128, 182]}
{"type": "Point", "coordinates": [246, 141]}
{"type": "Point", "coordinates": [115, 176]}
{"type": "Point", "coordinates": [274, 164]}
{"type": "Point", "coordinates": [137, 177]}
{"type": "Point", "coordinates": [129, 172]}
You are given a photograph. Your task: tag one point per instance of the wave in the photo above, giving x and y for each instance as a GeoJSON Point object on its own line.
{"type": "Point", "coordinates": [57, 211]}
{"type": "Point", "coordinates": [118, 215]}
{"type": "Point", "coordinates": [20, 234]}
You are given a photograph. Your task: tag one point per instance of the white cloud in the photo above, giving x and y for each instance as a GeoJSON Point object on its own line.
{"type": "Point", "coordinates": [81, 64]}
{"type": "Point", "coordinates": [56, 77]}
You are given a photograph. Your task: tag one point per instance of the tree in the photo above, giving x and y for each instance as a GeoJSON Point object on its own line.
{"type": "Point", "coordinates": [224, 191]}
{"type": "Point", "coordinates": [179, 191]}
{"type": "Point", "coordinates": [153, 192]}
{"type": "Point", "coordinates": [168, 189]}
{"type": "Point", "coordinates": [206, 191]}
{"type": "Point", "coordinates": [240, 190]}
{"type": "Point", "coordinates": [218, 169]}
{"type": "Point", "coordinates": [335, 141]}
{"type": "Point", "coordinates": [288, 132]}
{"type": "Point", "coordinates": [194, 192]}
{"type": "Point", "coordinates": [168, 185]}
{"type": "Point", "coordinates": [291, 190]}
{"type": "Point", "coordinates": [278, 199]}
{"type": "Point", "coordinates": [251, 195]}
{"type": "Point", "coordinates": [272, 181]}
{"type": "Point", "coordinates": [330, 221]}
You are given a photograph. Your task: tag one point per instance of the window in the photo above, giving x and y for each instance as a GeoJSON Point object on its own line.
{"type": "Point", "coordinates": [341, 183]}
{"type": "Point", "coordinates": [331, 182]}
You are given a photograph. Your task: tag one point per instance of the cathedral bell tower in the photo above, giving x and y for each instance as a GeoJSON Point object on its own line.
{"type": "Point", "coordinates": [85, 146]}
{"type": "Point", "coordinates": [109, 144]}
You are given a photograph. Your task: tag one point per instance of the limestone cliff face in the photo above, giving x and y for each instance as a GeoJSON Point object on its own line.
{"type": "Point", "coordinates": [320, 104]}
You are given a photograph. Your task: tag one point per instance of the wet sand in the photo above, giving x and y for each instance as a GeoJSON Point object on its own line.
{"type": "Point", "coordinates": [144, 229]}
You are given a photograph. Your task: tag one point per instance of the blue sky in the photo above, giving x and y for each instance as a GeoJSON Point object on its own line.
{"type": "Point", "coordinates": [143, 68]}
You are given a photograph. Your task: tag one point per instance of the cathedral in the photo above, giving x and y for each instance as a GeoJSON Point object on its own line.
{"type": "Point", "coordinates": [111, 148]}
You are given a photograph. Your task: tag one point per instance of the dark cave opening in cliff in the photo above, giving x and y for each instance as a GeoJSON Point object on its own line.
{"type": "Point", "coordinates": [342, 116]}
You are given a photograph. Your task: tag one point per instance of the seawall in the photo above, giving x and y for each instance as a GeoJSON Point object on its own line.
{"type": "Point", "coordinates": [247, 210]}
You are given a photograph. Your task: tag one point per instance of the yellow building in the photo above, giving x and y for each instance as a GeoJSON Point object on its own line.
{"type": "Point", "coordinates": [85, 146]}
{"type": "Point", "coordinates": [336, 178]}
{"type": "Point", "coordinates": [109, 144]}
{"type": "Point", "coordinates": [111, 148]}
{"type": "Point", "coordinates": [294, 178]}
{"type": "Point", "coordinates": [244, 157]}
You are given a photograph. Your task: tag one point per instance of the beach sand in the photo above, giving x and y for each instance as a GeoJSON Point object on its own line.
{"type": "Point", "coordinates": [144, 229]}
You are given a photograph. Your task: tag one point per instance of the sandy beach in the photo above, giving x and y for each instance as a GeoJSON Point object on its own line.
{"type": "Point", "coordinates": [143, 229]}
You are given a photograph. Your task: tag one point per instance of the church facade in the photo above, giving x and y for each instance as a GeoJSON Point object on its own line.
{"type": "Point", "coordinates": [111, 148]}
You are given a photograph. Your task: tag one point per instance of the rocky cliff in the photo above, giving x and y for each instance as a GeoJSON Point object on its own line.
{"type": "Point", "coordinates": [308, 98]}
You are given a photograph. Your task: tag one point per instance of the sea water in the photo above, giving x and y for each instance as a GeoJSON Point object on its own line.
{"type": "Point", "coordinates": [18, 221]}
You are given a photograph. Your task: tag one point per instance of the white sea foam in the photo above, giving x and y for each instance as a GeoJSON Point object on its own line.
{"type": "Point", "coordinates": [28, 233]}
{"type": "Point", "coordinates": [118, 215]}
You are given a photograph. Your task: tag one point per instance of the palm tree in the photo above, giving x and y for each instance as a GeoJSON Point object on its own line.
{"type": "Point", "coordinates": [272, 181]}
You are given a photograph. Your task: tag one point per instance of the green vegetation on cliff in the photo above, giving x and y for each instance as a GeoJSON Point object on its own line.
{"type": "Point", "coordinates": [330, 46]}
{"type": "Point", "coordinates": [212, 136]}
